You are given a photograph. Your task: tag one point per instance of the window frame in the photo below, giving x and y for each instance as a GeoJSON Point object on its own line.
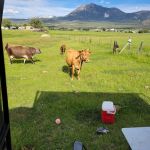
{"type": "Point", "coordinates": [5, 138]}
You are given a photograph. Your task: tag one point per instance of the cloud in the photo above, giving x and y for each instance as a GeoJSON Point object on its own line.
{"type": "Point", "coordinates": [33, 8]}
{"type": "Point", "coordinates": [107, 2]}
{"type": "Point", "coordinates": [104, 2]}
{"type": "Point", "coordinates": [101, 1]}
{"type": "Point", "coordinates": [133, 8]}
{"type": "Point", "coordinates": [11, 11]}
{"type": "Point", "coordinates": [40, 8]}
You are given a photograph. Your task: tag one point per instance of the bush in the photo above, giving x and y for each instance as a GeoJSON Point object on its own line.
{"type": "Point", "coordinates": [143, 31]}
{"type": "Point", "coordinates": [44, 29]}
{"type": "Point", "coordinates": [6, 23]}
{"type": "Point", "coordinates": [36, 23]}
{"type": "Point", "coordinates": [16, 25]}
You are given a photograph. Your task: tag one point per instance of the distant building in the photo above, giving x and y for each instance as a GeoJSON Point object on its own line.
{"type": "Point", "coordinates": [21, 28]}
{"type": "Point", "coordinates": [4, 28]}
{"type": "Point", "coordinates": [13, 28]}
{"type": "Point", "coordinates": [29, 28]}
{"type": "Point", "coordinates": [96, 30]}
{"type": "Point", "coordinates": [113, 30]}
{"type": "Point", "coordinates": [36, 30]}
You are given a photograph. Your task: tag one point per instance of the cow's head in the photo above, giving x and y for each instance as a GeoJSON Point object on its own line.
{"type": "Point", "coordinates": [85, 54]}
{"type": "Point", "coordinates": [37, 51]}
{"type": "Point", "coordinates": [116, 46]}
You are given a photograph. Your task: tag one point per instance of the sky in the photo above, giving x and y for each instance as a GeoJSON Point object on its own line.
{"type": "Point", "coordinates": [48, 8]}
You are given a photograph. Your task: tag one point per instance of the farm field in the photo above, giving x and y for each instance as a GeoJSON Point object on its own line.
{"type": "Point", "coordinates": [86, 25]}
{"type": "Point", "coordinates": [39, 93]}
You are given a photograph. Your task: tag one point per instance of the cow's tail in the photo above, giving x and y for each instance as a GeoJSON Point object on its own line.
{"type": "Point", "coordinates": [6, 47]}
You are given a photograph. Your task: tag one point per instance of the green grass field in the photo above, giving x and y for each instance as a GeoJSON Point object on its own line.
{"type": "Point", "coordinates": [39, 93]}
{"type": "Point", "coordinates": [91, 25]}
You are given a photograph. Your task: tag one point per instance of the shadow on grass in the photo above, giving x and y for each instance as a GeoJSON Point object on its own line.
{"type": "Point", "coordinates": [80, 115]}
{"type": "Point", "coordinates": [18, 61]}
{"type": "Point", "coordinates": [65, 69]}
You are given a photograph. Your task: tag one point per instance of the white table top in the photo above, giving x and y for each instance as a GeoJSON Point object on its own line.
{"type": "Point", "coordinates": [138, 138]}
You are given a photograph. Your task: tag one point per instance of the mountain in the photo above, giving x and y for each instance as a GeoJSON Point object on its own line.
{"type": "Point", "coordinates": [93, 12]}
{"type": "Point", "coordinates": [96, 13]}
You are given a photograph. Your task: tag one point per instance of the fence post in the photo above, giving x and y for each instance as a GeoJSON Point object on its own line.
{"type": "Point", "coordinates": [140, 47]}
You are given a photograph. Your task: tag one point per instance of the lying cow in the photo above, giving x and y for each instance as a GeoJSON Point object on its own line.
{"type": "Point", "coordinates": [18, 51]}
{"type": "Point", "coordinates": [75, 60]}
{"type": "Point", "coordinates": [62, 49]}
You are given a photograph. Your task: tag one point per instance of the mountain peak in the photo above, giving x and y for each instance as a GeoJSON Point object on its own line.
{"type": "Point", "coordinates": [94, 12]}
{"type": "Point", "coordinates": [86, 6]}
{"type": "Point", "coordinates": [92, 4]}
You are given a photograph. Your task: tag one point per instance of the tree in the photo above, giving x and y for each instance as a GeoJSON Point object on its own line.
{"type": "Point", "coordinates": [36, 23]}
{"type": "Point", "coordinates": [24, 25]}
{"type": "Point", "coordinates": [16, 25]}
{"type": "Point", "coordinates": [104, 29]}
{"type": "Point", "coordinates": [6, 23]}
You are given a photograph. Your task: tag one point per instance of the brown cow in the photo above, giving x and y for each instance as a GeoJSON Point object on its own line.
{"type": "Point", "coordinates": [75, 60]}
{"type": "Point", "coordinates": [18, 51]}
{"type": "Point", "coordinates": [115, 47]}
{"type": "Point", "coordinates": [62, 49]}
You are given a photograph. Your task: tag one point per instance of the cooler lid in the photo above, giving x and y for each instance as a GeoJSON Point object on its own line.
{"type": "Point", "coordinates": [108, 106]}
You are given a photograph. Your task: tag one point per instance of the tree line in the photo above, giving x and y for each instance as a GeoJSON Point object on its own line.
{"type": "Point", "coordinates": [36, 23]}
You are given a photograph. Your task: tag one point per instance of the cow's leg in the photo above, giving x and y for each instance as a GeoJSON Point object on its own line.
{"type": "Point", "coordinates": [114, 51]}
{"type": "Point", "coordinates": [81, 65]}
{"type": "Point", "coordinates": [32, 60]}
{"type": "Point", "coordinates": [78, 74]}
{"type": "Point", "coordinates": [70, 70]}
{"type": "Point", "coordinates": [72, 73]}
{"type": "Point", "coordinates": [10, 59]}
{"type": "Point", "coordinates": [117, 50]}
{"type": "Point", "coordinates": [24, 60]}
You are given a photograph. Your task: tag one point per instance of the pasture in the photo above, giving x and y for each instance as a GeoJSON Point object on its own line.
{"type": "Point", "coordinates": [39, 93]}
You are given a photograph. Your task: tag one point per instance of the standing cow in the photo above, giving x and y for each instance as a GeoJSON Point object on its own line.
{"type": "Point", "coordinates": [75, 59]}
{"type": "Point", "coordinates": [62, 49]}
{"type": "Point", "coordinates": [18, 51]}
{"type": "Point", "coordinates": [115, 47]}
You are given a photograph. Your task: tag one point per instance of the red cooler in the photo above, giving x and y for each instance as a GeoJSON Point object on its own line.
{"type": "Point", "coordinates": [108, 112]}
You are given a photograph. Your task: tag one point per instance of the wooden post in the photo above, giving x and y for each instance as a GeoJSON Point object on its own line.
{"type": "Point", "coordinates": [129, 46]}
{"type": "Point", "coordinates": [123, 48]}
{"type": "Point", "coordinates": [140, 47]}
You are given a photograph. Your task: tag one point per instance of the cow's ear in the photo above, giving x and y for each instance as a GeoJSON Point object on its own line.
{"type": "Point", "coordinates": [81, 51]}
{"type": "Point", "coordinates": [89, 52]}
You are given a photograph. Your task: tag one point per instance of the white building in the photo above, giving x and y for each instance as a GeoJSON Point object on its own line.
{"type": "Point", "coordinates": [21, 28]}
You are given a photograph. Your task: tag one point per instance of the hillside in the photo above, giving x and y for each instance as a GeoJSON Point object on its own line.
{"type": "Point", "coordinates": [93, 12]}
{"type": "Point", "coordinates": [90, 13]}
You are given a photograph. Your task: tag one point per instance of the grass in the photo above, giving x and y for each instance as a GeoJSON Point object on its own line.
{"type": "Point", "coordinates": [40, 93]}
{"type": "Point", "coordinates": [92, 25]}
